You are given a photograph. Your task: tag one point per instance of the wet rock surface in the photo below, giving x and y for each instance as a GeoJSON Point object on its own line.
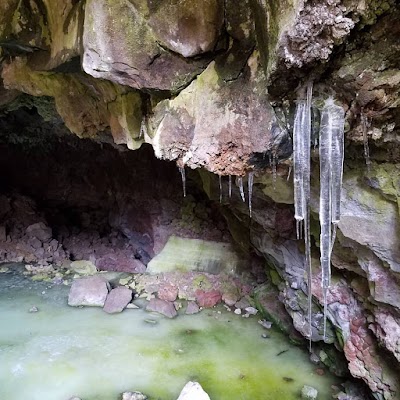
{"type": "Point", "coordinates": [117, 300]}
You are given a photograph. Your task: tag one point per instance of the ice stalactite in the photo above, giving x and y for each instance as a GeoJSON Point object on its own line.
{"type": "Point", "coordinates": [183, 175]}
{"type": "Point", "coordinates": [143, 128]}
{"type": "Point", "coordinates": [365, 124]}
{"type": "Point", "coordinates": [230, 186]}
{"type": "Point", "coordinates": [241, 189]}
{"type": "Point", "coordinates": [331, 156]}
{"type": "Point", "coordinates": [220, 187]}
{"type": "Point", "coordinates": [274, 161]}
{"type": "Point", "coordinates": [301, 178]}
{"type": "Point", "coordinates": [250, 190]}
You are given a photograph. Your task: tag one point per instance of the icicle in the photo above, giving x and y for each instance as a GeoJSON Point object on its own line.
{"type": "Point", "coordinates": [365, 124]}
{"type": "Point", "coordinates": [183, 174]}
{"type": "Point", "coordinates": [240, 181]}
{"type": "Point", "coordinates": [220, 187]}
{"type": "Point", "coordinates": [230, 186]}
{"type": "Point", "coordinates": [289, 173]}
{"type": "Point", "coordinates": [331, 154]}
{"type": "Point", "coordinates": [250, 189]}
{"type": "Point", "coordinates": [301, 178]}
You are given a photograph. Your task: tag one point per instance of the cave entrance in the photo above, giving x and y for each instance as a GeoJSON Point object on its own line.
{"type": "Point", "coordinates": [65, 199]}
{"type": "Point", "coordinates": [68, 205]}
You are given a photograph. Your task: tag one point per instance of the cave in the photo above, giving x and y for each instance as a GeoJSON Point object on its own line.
{"type": "Point", "coordinates": [199, 200]}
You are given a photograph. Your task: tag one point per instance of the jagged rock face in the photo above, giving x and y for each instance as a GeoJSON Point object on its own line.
{"type": "Point", "coordinates": [212, 85]}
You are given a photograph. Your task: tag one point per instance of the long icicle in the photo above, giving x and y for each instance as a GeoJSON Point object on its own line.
{"type": "Point", "coordinates": [183, 175]}
{"type": "Point", "coordinates": [307, 195]}
{"type": "Point", "coordinates": [220, 187]}
{"type": "Point", "coordinates": [331, 153]}
{"type": "Point", "coordinates": [301, 178]}
{"type": "Point", "coordinates": [250, 189]}
{"type": "Point", "coordinates": [230, 186]}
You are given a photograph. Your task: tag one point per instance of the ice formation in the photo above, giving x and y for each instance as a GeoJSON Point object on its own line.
{"type": "Point", "coordinates": [220, 187]}
{"type": "Point", "coordinates": [230, 186]}
{"type": "Point", "coordinates": [301, 173]}
{"type": "Point", "coordinates": [183, 175]}
{"type": "Point", "coordinates": [240, 182]}
{"type": "Point", "coordinates": [250, 189]}
{"type": "Point", "coordinates": [331, 155]}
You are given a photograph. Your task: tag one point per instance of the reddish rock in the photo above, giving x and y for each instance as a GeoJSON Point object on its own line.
{"type": "Point", "coordinates": [163, 307]}
{"type": "Point", "coordinates": [168, 292]}
{"type": "Point", "coordinates": [208, 299]}
{"type": "Point", "coordinates": [117, 300]}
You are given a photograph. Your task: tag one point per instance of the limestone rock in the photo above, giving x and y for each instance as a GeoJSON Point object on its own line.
{"type": "Point", "coordinates": [162, 307]}
{"type": "Point", "coordinates": [193, 391]}
{"type": "Point", "coordinates": [117, 300]}
{"type": "Point", "coordinates": [184, 254]}
{"type": "Point", "coordinates": [90, 291]}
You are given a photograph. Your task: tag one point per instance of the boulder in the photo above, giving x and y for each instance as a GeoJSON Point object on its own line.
{"type": "Point", "coordinates": [193, 391]}
{"type": "Point", "coordinates": [117, 300]}
{"type": "Point", "coordinates": [163, 307]}
{"type": "Point", "coordinates": [91, 291]}
{"type": "Point", "coordinates": [40, 231]}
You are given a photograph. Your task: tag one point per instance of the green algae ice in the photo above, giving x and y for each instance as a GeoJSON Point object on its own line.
{"type": "Point", "coordinates": [58, 352]}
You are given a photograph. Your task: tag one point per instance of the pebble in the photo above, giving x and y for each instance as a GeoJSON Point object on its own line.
{"type": "Point", "coordinates": [132, 306]}
{"type": "Point", "coordinates": [238, 311]}
{"type": "Point", "coordinates": [33, 309]}
{"type": "Point", "coordinates": [265, 324]}
{"type": "Point", "coordinates": [150, 321]}
{"type": "Point", "coordinates": [251, 310]}
{"type": "Point", "coordinates": [265, 336]}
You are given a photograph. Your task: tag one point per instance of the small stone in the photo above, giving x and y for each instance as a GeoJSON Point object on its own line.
{"type": "Point", "coordinates": [74, 398]}
{"type": "Point", "coordinates": [33, 309]}
{"type": "Point", "coordinates": [314, 358]}
{"type": "Point", "coordinates": [320, 371]}
{"type": "Point", "coordinates": [265, 336]}
{"type": "Point", "coordinates": [265, 324]}
{"type": "Point", "coordinates": [133, 396]}
{"type": "Point", "coordinates": [238, 311]}
{"type": "Point", "coordinates": [309, 393]}
{"type": "Point", "coordinates": [192, 308]}
{"type": "Point", "coordinates": [245, 315]}
{"type": "Point", "coordinates": [242, 303]}
{"type": "Point", "coordinates": [162, 307]}
{"type": "Point", "coordinates": [193, 391]}
{"type": "Point", "coordinates": [150, 321]}
{"type": "Point", "coordinates": [132, 306]}
{"type": "Point", "coordinates": [251, 310]}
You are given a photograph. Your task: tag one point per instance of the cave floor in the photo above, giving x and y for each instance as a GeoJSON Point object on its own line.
{"type": "Point", "coordinates": [60, 351]}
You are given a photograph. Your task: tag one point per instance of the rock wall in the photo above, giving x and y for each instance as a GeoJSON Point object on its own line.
{"type": "Point", "coordinates": [212, 85]}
